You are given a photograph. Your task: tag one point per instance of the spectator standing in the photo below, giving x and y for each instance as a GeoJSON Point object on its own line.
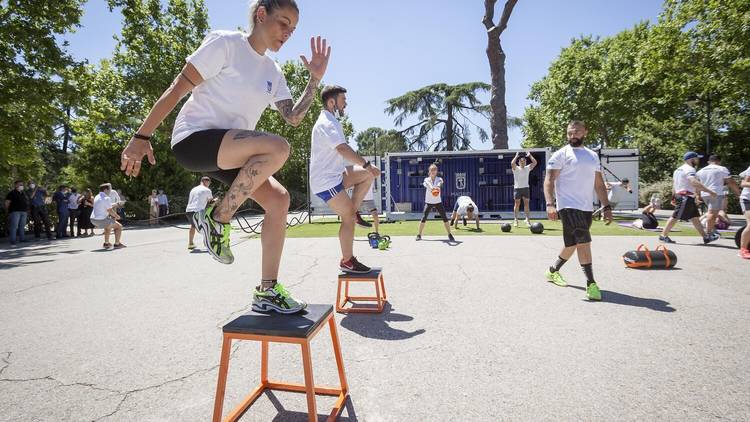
{"type": "Point", "coordinates": [163, 203]}
{"type": "Point", "coordinates": [16, 204]}
{"type": "Point", "coordinates": [39, 214]}
{"type": "Point", "coordinates": [86, 206]}
{"type": "Point", "coordinates": [153, 207]}
{"type": "Point", "coordinates": [73, 211]}
{"type": "Point", "coordinates": [61, 199]}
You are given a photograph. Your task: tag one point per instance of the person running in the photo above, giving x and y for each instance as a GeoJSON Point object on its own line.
{"type": "Point", "coordinates": [715, 177]}
{"type": "Point", "coordinates": [745, 204]}
{"type": "Point", "coordinates": [521, 189]}
{"type": "Point", "coordinates": [433, 185]}
{"type": "Point", "coordinates": [573, 174]}
{"type": "Point", "coordinates": [330, 177]}
{"type": "Point", "coordinates": [199, 197]}
{"type": "Point", "coordinates": [232, 82]}
{"type": "Point", "coordinates": [465, 208]}
{"type": "Point", "coordinates": [104, 217]}
{"type": "Point", "coordinates": [684, 188]}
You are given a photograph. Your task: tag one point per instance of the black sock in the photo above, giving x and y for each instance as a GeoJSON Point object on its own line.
{"type": "Point", "coordinates": [589, 273]}
{"type": "Point", "coordinates": [558, 264]}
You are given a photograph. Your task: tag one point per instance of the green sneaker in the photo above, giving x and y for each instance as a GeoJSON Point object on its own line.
{"type": "Point", "coordinates": [215, 235]}
{"type": "Point", "coordinates": [276, 299]}
{"type": "Point", "coordinates": [556, 278]}
{"type": "Point", "coordinates": [593, 292]}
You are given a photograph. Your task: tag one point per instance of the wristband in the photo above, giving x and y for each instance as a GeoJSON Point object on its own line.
{"type": "Point", "coordinates": [143, 137]}
{"type": "Point", "coordinates": [607, 207]}
{"type": "Point", "coordinates": [550, 205]}
{"type": "Point", "coordinates": [367, 165]}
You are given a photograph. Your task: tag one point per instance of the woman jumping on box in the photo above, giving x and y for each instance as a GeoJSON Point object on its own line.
{"type": "Point", "coordinates": [432, 200]}
{"type": "Point", "coordinates": [233, 81]}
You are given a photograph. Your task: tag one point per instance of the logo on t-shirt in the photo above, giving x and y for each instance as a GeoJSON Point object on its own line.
{"type": "Point", "coordinates": [269, 86]}
{"type": "Point", "coordinates": [460, 181]}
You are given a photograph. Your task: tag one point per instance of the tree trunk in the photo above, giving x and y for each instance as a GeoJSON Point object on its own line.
{"type": "Point", "coordinates": [66, 130]}
{"type": "Point", "coordinates": [496, 58]}
{"type": "Point", "coordinates": [449, 129]}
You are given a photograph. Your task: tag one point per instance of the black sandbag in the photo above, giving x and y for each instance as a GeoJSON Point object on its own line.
{"type": "Point", "coordinates": [661, 258]}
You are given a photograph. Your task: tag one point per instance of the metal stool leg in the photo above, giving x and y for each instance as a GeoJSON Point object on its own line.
{"type": "Point", "coordinates": [222, 382]}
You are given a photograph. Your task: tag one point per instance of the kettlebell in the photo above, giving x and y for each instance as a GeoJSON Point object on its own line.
{"type": "Point", "coordinates": [374, 239]}
{"type": "Point", "coordinates": [384, 243]}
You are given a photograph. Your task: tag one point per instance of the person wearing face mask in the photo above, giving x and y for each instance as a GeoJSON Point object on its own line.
{"type": "Point", "coordinates": [60, 197]}
{"type": "Point", "coordinates": [16, 205]}
{"type": "Point", "coordinates": [685, 187]}
{"type": "Point", "coordinates": [232, 81]}
{"type": "Point", "coordinates": [573, 174]}
{"type": "Point", "coordinates": [330, 177]}
{"type": "Point", "coordinates": [39, 213]}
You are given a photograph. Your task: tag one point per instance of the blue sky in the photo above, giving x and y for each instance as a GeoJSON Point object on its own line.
{"type": "Point", "coordinates": [384, 48]}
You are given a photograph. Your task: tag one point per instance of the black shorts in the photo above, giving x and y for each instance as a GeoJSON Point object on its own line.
{"type": "Point", "coordinates": [576, 226]}
{"type": "Point", "coordinates": [520, 193]}
{"type": "Point", "coordinates": [437, 207]}
{"type": "Point", "coordinates": [199, 153]}
{"type": "Point", "coordinates": [685, 208]}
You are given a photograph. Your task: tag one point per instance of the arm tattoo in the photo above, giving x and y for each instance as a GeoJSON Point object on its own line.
{"type": "Point", "coordinates": [247, 134]}
{"type": "Point", "coordinates": [294, 114]}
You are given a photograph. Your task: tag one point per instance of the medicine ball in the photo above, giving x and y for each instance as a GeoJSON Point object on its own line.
{"type": "Point", "coordinates": [536, 228]}
{"type": "Point", "coordinates": [738, 235]}
{"type": "Point", "coordinates": [505, 227]}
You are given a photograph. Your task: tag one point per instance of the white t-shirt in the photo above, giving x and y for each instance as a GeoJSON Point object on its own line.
{"type": "Point", "coordinates": [114, 197]}
{"type": "Point", "coordinates": [327, 166]}
{"type": "Point", "coordinates": [616, 192]}
{"type": "Point", "coordinates": [429, 198]}
{"type": "Point", "coordinates": [73, 201]}
{"type": "Point", "coordinates": [745, 194]}
{"type": "Point", "coordinates": [238, 85]}
{"type": "Point", "coordinates": [463, 203]}
{"type": "Point", "coordinates": [199, 197]}
{"type": "Point", "coordinates": [712, 176]}
{"type": "Point", "coordinates": [574, 186]}
{"type": "Point", "coordinates": [521, 177]}
{"type": "Point", "coordinates": [681, 178]}
{"type": "Point", "coordinates": [102, 203]}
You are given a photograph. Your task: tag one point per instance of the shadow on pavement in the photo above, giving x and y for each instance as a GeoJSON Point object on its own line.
{"type": "Point", "coordinates": [28, 250]}
{"type": "Point", "coordinates": [286, 416]}
{"type": "Point", "coordinates": [640, 302]}
{"type": "Point", "coordinates": [377, 325]}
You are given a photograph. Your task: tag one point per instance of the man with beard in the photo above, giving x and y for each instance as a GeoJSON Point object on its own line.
{"type": "Point", "coordinates": [684, 188]}
{"type": "Point", "coordinates": [573, 173]}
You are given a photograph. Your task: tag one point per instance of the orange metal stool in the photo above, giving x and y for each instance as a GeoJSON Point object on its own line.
{"type": "Point", "coordinates": [376, 277]}
{"type": "Point", "coordinates": [297, 328]}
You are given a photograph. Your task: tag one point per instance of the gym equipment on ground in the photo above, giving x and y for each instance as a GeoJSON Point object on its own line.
{"type": "Point", "coordinates": [660, 258]}
{"type": "Point", "coordinates": [536, 228]}
{"type": "Point", "coordinates": [505, 227]}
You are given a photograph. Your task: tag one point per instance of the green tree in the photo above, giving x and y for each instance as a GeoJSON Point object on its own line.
{"type": "Point", "coordinates": [151, 50]}
{"type": "Point", "coordinates": [441, 108]}
{"type": "Point", "coordinates": [377, 141]}
{"type": "Point", "coordinates": [33, 62]}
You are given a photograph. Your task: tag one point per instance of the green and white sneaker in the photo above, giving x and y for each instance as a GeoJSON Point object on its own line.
{"type": "Point", "coordinates": [276, 299]}
{"type": "Point", "coordinates": [556, 278]}
{"type": "Point", "coordinates": [593, 292]}
{"type": "Point", "coordinates": [215, 235]}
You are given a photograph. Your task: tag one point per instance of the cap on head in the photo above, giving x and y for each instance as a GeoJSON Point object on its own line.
{"type": "Point", "coordinates": [690, 155]}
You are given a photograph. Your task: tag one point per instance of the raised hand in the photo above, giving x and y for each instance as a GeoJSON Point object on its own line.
{"type": "Point", "coordinates": [319, 59]}
{"type": "Point", "coordinates": [132, 155]}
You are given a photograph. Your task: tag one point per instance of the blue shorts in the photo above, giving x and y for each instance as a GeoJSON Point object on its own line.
{"type": "Point", "coordinates": [327, 195]}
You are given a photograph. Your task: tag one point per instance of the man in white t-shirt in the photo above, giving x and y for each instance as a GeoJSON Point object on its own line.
{"type": "Point", "coordinates": [330, 177]}
{"type": "Point", "coordinates": [745, 204]}
{"type": "Point", "coordinates": [715, 177]}
{"type": "Point", "coordinates": [615, 193]}
{"type": "Point", "coordinates": [465, 208]}
{"type": "Point", "coordinates": [573, 174]}
{"type": "Point", "coordinates": [103, 216]}
{"type": "Point", "coordinates": [521, 189]}
{"type": "Point", "coordinates": [684, 188]}
{"type": "Point", "coordinates": [199, 197]}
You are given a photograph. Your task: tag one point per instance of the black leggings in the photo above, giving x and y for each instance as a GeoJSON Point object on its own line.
{"type": "Point", "coordinates": [438, 207]}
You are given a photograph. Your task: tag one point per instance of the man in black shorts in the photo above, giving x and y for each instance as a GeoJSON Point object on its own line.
{"type": "Point", "coordinates": [685, 186]}
{"type": "Point", "coordinates": [573, 173]}
{"type": "Point", "coordinates": [521, 189]}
